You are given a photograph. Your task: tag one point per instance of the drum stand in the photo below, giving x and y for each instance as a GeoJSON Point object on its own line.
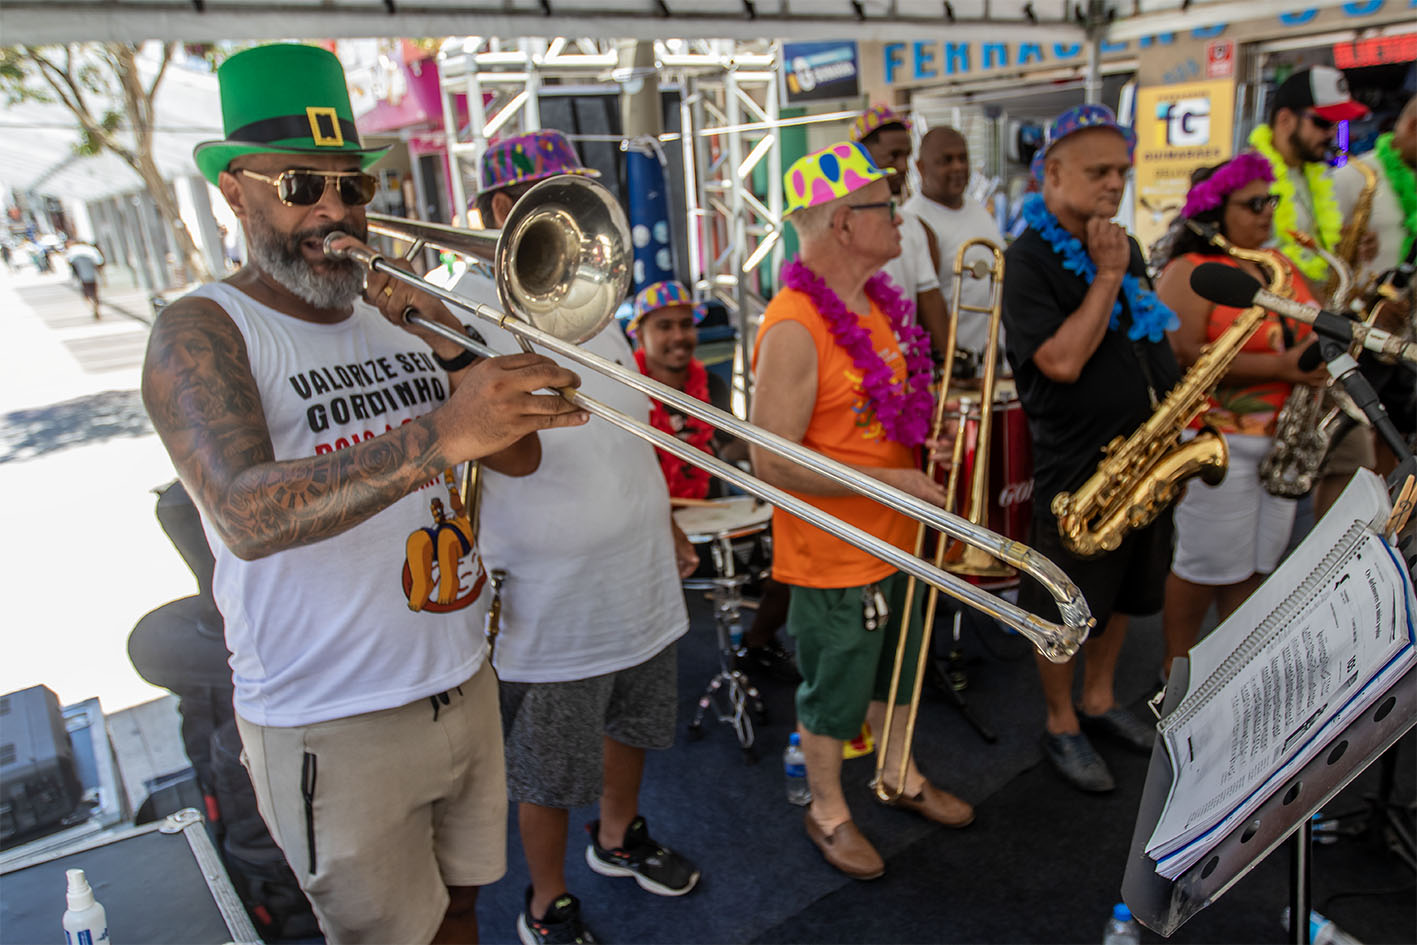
{"type": "Point", "coordinates": [731, 694]}
{"type": "Point", "coordinates": [955, 682]}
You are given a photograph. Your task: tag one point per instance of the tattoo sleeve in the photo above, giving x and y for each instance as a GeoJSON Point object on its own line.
{"type": "Point", "coordinates": [200, 393]}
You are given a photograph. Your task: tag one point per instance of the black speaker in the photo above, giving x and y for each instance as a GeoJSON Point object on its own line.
{"type": "Point", "coordinates": [39, 782]}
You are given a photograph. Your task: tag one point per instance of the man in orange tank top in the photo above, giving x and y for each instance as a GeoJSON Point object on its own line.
{"type": "Point", "coordinates": [842, 370]}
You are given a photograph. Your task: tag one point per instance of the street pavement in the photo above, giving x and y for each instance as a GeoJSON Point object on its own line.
{"type": "Point", "coordinates": [81, 553]}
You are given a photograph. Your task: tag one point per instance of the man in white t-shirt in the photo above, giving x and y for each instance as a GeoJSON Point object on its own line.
{"type": "Point", "coordinates": [886, 137]}
{"type": "Point", "coordinates": [317, 437]}
{"type": "Point", "coordinates": [85, 261]}
{"type": "Point", "coordinates": [591, 609]}
{"type": "Point", "coordinates": [955, 219]}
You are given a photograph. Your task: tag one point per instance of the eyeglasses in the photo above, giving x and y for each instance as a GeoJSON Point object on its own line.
{"type": "Point", "coordinates": [878, 205]}
{"type": "Point", "coordinates": [305, 188]}
{"type": "Point", "coordinates": [1319, 122]}
{"type": "Point", "coordinates": [1258, 205]}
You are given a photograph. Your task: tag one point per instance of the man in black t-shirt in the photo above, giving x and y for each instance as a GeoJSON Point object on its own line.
{"type": "Point", "coordinates": [1083, 382]}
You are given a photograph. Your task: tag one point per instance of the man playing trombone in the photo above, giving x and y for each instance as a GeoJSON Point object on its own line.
{"type": "Point", "coordinates": [312, 431]}
{"type": "Point", "coordinates": [841, 369]}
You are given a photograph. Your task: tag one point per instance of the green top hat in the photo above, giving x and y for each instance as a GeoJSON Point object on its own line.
{"type": "Point", "coordinates": [287, 99]}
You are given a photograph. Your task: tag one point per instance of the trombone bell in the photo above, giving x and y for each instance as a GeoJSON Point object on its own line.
{"type": "Point", "coordinates": [561, 262]}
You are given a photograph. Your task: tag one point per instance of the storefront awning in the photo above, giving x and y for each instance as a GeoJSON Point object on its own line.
{"type": "Point", "coordinates": [49, 21]}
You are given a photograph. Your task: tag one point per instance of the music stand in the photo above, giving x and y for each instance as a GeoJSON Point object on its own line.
{"type": "Point", "coordinates": [1164, 905]}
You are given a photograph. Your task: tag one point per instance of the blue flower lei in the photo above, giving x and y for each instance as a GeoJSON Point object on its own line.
{"type": "Point", "coordinates": [1151, 319]}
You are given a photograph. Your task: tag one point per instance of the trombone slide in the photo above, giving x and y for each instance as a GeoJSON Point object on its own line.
{"type": "Point", "coordinates": [1057, 642]}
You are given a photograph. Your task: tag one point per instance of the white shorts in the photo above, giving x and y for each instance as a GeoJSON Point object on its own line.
{"type": "Point", "coordinates": [1228, 532]}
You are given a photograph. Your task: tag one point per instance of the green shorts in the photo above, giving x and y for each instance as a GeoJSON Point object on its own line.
{"type": "Point", "coordinates": [844, 666]}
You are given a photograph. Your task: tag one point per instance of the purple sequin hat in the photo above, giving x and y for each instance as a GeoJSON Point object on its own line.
{"type": "Point", "coordinates": [530, 157]}
{"type": "Point", "coordinates": [1079, 118]}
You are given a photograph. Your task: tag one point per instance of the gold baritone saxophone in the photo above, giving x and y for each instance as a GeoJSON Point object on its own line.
{"type": "Point", "coordinates": [1140, 476]}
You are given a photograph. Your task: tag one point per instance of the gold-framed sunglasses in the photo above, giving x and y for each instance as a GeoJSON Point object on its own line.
{"type": "Point", "coordinates": [304, 188]}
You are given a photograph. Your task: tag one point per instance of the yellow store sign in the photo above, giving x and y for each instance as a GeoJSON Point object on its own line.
{"type": "Point", "coordinates": [1179, 128]}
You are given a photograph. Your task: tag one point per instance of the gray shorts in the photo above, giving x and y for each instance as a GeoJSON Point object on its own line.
{"type": "Point", "coordinates": [379, 813]}
{"type": "Point", "coordinates": [554, 731]}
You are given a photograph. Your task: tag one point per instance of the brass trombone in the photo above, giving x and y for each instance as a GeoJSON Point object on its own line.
{"type": "Point", "coordinates": [974, 560]}
{"type": "Point", "coordinates": [562, 260]}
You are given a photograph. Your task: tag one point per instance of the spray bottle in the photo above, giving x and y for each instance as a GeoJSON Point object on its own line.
{"type": "Point", "coordinates": [85, 922]}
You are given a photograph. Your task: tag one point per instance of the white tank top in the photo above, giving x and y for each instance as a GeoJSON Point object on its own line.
{"type": "Point", "coordinates": [591, 586]}
{"type": "Point", "coordinates": [328, 630]}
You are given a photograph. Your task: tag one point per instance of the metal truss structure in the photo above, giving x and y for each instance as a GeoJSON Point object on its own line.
{"type": "Point", "coordinates": [730, 122]}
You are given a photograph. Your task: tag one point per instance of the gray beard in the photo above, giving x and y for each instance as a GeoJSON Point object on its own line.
{"type": "Point", "coordinates": [280, 258]}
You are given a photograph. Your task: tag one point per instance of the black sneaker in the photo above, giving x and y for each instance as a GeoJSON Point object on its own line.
{"type": "Point", "coordinates": [657, 869]}
{"type": "Point", "coordinates": [561, 925]}
{"type": "Point", "coordinates": [771, 660]}
{"type": "Point", "coordinates": [1078, 762]}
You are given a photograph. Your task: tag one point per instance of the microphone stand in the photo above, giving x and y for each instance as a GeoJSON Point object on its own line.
{"type": "Point", "coordinates": [1343, 368]}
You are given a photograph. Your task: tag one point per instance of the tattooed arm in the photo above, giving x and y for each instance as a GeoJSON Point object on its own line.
{"type": "Point", "coordinates": [199, 390]}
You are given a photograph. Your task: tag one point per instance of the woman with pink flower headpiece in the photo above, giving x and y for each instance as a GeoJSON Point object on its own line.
{"type": "Point", "coordinates": [1228, 537]}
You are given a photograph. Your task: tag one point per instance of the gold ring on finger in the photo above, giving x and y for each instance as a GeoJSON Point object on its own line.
{"type": "Point", "coordinates": [388, 291]}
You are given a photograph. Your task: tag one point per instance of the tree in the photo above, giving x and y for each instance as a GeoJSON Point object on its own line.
{"type": "Point", "coordinates": [102, 86]}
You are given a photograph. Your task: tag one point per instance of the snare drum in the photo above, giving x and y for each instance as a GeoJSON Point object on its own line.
{"type": "Point", "coordinates": [1010, 493]}
{"type": "Point", "coordinates": [736, 525]}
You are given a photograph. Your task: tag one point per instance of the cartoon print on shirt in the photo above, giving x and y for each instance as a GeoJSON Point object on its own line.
{"type": "Point", "coordinates": [443, 556]}
{"type": "Point", "coordinates": [865, 411]}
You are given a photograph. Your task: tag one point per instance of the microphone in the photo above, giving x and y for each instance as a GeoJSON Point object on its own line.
{"type": "Point", "coordinates": [1311, 358]}
{"type": "Point", "coordinates": [1226, 285]}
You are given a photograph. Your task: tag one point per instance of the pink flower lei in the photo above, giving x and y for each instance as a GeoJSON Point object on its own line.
{"type": "Point", "coordinates": [1210, 193]}
{"type": "Point", "coordinates": [903, 409]}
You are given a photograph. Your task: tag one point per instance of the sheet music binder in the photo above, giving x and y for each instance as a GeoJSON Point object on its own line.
{"type": "Point", "coordinates": [1163, 905]}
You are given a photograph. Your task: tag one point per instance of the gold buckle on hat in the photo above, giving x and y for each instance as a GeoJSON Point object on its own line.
{"type": "Point", "coordinates": [335, 138]}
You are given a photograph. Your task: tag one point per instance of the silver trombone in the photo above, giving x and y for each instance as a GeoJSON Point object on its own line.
{"type": "Point", "coordinates": [562, 263]}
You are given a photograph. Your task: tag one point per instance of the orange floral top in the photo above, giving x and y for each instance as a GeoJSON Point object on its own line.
{"type": "Point", "coordinates": [1251, 409]}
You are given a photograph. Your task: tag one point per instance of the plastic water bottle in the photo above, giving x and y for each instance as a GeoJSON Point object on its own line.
{"type": "Point", "coordinates": [1121, 929]}
{"type": "Point", "coordinates": [794, 767]}
{"type": "Point", "coordinates": [85, 922]}
{"type": "Point", "coordinates": [1322, 931]}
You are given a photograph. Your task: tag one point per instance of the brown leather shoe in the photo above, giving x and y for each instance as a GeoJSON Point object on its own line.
{"type": "Point", "coordinates": [847, 849]}
{"type": "Point", "coordinates": [934, 804]}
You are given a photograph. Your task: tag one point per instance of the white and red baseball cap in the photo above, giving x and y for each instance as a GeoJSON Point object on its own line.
{"type": "Point", "coordinates": [1322, 90]}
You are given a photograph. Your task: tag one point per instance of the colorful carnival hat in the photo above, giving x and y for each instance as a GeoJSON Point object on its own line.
{"type": "Point", "coordinates": [1079, 118]}
{"type": "Point", "coordinates": [832, 172]}
{"type": "Point", "coordinates": [1238, 172]}
{"type": "Point", "coordinates": [658, 295]}
{"type": "Point", "coordinates": [1322, 90]}
{"type": "Point", "coordinates": [874, 119]}
{"type": "Point", "coordinates": [530, 157]}
{"type": "Point", "coordinates": [283, 98]}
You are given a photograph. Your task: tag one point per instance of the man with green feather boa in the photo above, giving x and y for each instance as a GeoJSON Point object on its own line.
{"type": "Point", "coordinates": [1394, 214]}
{"type": "Point", "coordinates": [1303, 120]}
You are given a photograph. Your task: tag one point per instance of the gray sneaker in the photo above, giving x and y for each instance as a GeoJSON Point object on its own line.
{"type": "Point", "coordinates": [1078, 762]}
{"type": "Point", "coordinates": [1122, 727]}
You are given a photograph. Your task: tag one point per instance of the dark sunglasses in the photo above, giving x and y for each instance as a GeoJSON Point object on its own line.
{"type": "Point", "coordinates": [1258, 205]}
{"type": "Point", "coordinates": [1319, 122]}
{"type": "Point", "coordinates": [878, 205]}
{"type": "Point", "coordinates": [305, 188]}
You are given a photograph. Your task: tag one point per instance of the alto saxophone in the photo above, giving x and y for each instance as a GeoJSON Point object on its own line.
{"type": "Point", "coordinates": [1309, 420]}
{"type": "Point", "coordinates": [1140, 476]}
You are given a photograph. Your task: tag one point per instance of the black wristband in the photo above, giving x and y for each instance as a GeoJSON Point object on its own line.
{"type": "Point", "coordinates": [465, 358]}
{"type": "Point", "coordinates": [455, 364]}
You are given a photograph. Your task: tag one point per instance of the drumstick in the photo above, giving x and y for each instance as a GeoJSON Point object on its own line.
{"type": "Point", "coordinates": [683, 503]}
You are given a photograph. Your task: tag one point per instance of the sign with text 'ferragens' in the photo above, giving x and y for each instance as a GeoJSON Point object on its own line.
{"type": "Point", "coordinates": [813, 72]}
{"type": "Point", "coordinates": [923, 62]}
